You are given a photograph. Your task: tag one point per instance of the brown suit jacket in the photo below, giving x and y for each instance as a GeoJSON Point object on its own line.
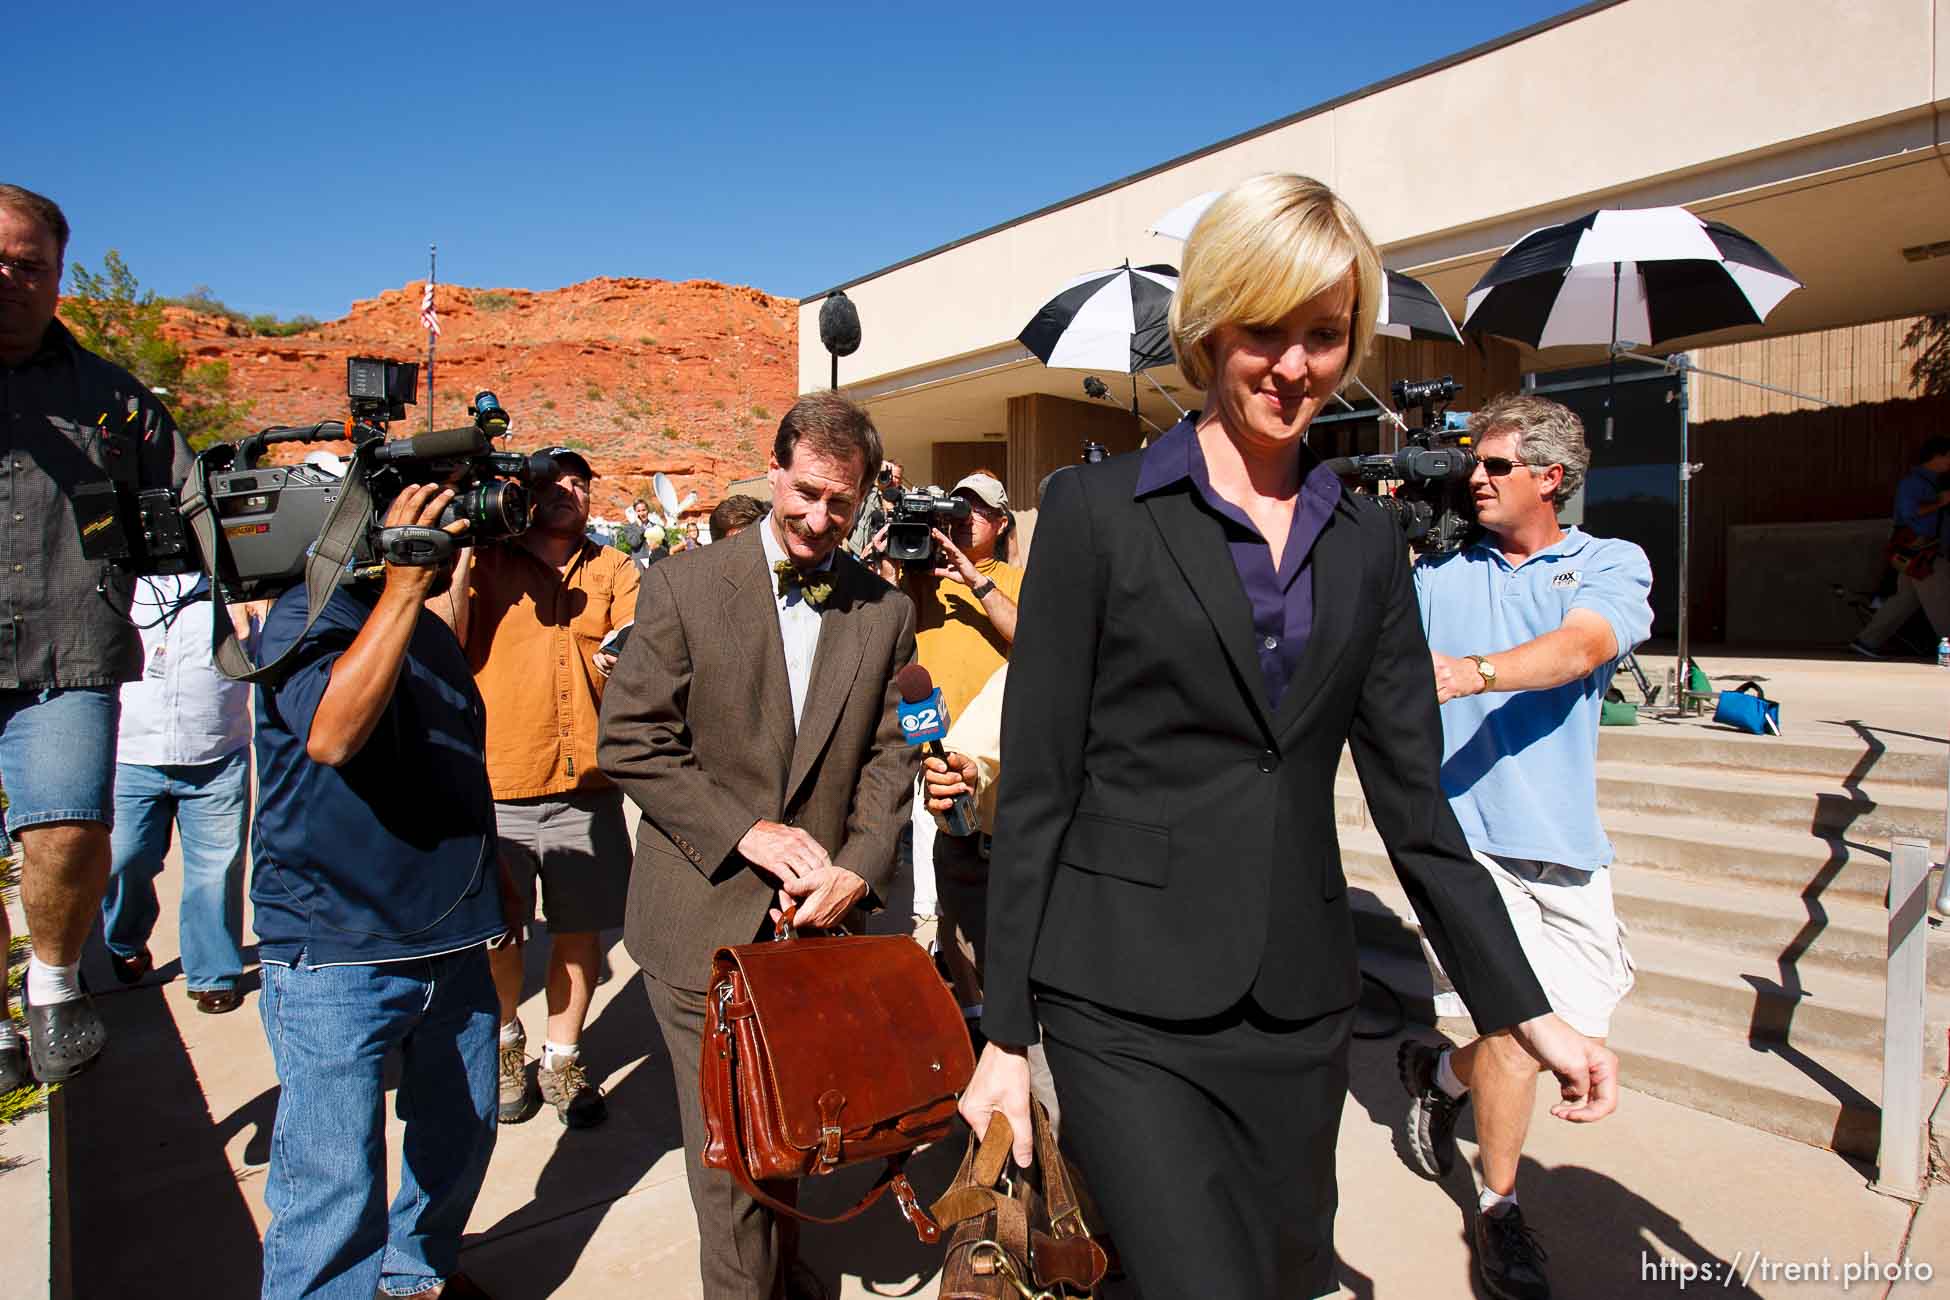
{"type": "Point", "coordinates": [697, 729]}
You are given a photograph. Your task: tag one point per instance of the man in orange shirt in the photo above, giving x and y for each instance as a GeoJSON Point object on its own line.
{"type": "Point", "coordinates": [532, 614]}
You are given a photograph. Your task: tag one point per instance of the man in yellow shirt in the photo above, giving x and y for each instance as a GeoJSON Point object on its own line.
{"type": "Point", "coordinates": [532, 614]}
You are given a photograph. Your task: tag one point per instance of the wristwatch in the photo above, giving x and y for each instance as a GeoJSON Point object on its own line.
{"type": "Point", "coordinates": [981, 590]}
{"type": "Point", "coordinates": [1485, 668]}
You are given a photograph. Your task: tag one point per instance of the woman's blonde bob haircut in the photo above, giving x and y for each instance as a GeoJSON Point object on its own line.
{"type": "Point", "coordinates": [1265, 246]}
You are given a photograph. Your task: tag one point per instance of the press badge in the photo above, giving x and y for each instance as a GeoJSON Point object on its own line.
{"type": "Point", "coordinates": [159, 663]}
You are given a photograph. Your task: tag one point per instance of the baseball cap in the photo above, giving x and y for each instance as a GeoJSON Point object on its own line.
{"type": "Point", "coordinates": [986, 488]}
{"type": "Point", "coordinates": [572, 456]}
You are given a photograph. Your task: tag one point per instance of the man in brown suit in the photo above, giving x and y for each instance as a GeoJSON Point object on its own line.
{"type": "Point", "coordinates": [752, 718]}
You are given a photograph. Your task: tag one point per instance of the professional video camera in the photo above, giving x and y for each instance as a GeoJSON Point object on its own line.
{"type": "Point", "coordinates": [269, 517]}
{"type": "Point", "coordinates": [1432, 505]}
{"type": "Point", "coordinates": [910, 530]}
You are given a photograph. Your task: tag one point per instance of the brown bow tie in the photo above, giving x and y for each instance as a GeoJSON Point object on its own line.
{"type": "Point", "coordinates": [814, 592]}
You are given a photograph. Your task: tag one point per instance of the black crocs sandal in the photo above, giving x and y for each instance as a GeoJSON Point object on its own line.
{"type": "Point", "coordinates": [64, 1039]}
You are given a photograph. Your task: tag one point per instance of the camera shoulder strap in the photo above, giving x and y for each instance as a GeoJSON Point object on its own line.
{"type": "Point", "coordinates": [325, 564]}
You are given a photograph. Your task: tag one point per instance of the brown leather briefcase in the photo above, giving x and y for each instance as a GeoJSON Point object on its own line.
{"type": "Point", "coordinates": [823, 1052]}
{"type": "Point", "coordinates": [1016, 1232]}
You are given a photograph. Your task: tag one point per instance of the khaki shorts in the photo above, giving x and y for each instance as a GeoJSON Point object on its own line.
{"type": "Point", "coordinates": [1569, 931]}
{"type": "Point", "coordinates": [578, 845]}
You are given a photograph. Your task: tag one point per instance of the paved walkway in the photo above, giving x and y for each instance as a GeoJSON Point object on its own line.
{"type": "Point", "coordinates": [170, 1137]}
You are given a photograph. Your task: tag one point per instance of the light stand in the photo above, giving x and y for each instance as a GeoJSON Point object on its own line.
{"type": "Point", "coordinates": [1681, 364]}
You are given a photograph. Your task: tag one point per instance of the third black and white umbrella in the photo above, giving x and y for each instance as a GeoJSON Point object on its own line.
{"type": "Point", "coordinates": [1642, 274]}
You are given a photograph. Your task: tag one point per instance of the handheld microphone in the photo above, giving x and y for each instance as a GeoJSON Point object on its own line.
{"type": "Point", "coordinates": [924, 721]}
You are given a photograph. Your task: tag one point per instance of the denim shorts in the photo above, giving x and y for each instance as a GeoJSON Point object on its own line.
{"type": "Point", "coordinates": [57, 754]}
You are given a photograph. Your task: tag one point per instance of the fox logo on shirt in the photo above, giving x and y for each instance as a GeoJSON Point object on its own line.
{"type": "Point", "coordinates": [1567, 579]}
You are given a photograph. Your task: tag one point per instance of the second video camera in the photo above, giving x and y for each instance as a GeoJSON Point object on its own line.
{"type": "Point", "coordinates": [1432, 503]}
{"type": "Point", "coordinates": [910, 530]}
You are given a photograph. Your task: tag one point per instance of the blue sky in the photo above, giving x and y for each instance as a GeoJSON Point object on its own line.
{"type": "Point", "coordinates": [296, 157]}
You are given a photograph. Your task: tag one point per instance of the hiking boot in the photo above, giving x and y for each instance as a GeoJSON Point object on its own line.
{"type": "Point", "coordinates": [1431, 1111]}
{"type": "Point", "coordinates": [578, 1103]}
{"type": "Point", "coordinates": [519, 1098]}
{"type": "Point", "coordinates": [1509, 1258]}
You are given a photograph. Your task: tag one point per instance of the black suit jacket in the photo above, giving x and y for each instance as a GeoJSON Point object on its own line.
{"type": "Point", "coordinates": [1165, 842]}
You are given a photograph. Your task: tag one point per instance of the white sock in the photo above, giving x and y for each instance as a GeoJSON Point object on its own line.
{"type": "Point", "coordinates": [1445, 1076]}
{"type": "Point", "coordinates": [557, 1055]}
{"type": "Point", "coordinates": [47, 985]}
{"type": "Point", "coordinates": [511, 1033]}
{"type": "Point", "coordinates": [1493, 1202]}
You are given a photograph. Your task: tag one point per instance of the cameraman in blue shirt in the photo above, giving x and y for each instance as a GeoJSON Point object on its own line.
{"type": "Point", "coordinates": [376, 892]}
{"type": "Point", "coordinates": [1526, 627]}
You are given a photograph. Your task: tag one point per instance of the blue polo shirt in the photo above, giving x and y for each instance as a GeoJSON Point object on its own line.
{"type": "Point", "coordinates": [1521, 768]}
{"type": "Point", "coordinates": [390, 856]}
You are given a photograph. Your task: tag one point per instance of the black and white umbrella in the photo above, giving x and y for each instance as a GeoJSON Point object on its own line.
{"type": "Point", "coordinates": [1410, 310]}
{"type": "Point", "coordinates": [1643, 274]}
{"type": "Point", "coordinates": [1106, 320]}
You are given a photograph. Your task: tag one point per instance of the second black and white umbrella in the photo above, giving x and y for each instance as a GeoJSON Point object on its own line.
{"type": "Point", "coordinates": [1106, 320]}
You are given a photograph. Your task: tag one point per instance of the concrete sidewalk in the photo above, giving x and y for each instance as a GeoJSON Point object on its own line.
{"type": "Point", "coordinates": [171, 1134]}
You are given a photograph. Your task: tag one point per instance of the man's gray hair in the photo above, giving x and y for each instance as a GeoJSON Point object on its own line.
{"type": "Point", "coordinates": [1547, 433]}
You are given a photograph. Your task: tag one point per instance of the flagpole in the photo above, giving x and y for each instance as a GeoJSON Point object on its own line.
{"type": "Point", "coordinates": [433, 251]}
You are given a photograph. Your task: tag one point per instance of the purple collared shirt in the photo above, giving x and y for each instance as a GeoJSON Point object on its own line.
{"type": "Point", "coordinates": [1283, 606]}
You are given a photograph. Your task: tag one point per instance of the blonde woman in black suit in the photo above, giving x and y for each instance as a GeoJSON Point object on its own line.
{"type": "Point", "coordinates": [1206, 624]}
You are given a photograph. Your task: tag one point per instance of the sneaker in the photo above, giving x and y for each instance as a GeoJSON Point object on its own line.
{"type": "Point", "coordinates": [1431, 1111]}
{"type": "Point", "coordinates": [13, 1065]}
{"type": "Point", "coordinates": [519, 1097]}
{"type": "Point", "coordinates": [1862, 648]}
{"type": "Point", "coordinates": [578, 1103]}
{"type": "Point", "coordinates": [1509, 1258]}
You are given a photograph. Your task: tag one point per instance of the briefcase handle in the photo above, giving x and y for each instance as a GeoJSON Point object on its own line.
{"type": "Point", "coordinates": [783, 928]}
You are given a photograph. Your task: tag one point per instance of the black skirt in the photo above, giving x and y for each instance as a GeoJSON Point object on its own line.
{"type": "Point", "coordinates": [1208, 1144]}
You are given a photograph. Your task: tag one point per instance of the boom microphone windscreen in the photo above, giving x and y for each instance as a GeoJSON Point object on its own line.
{"type": "Point", "coordinates": [440, 444]}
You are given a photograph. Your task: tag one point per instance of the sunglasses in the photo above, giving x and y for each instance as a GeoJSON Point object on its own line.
{"type": "Point", "coordinates": [1498, 466]}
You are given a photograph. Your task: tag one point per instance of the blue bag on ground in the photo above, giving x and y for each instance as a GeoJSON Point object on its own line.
{"type": "Point", "coordinates": [1746, 708]}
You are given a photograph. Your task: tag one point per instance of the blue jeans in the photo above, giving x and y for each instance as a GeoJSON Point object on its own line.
{"type": "Point", "coordinates": [57, 754]}
{"type": "Point", "coordinates": [211, 802]}
{"type": "Point", "coordinates": [330, 1030]}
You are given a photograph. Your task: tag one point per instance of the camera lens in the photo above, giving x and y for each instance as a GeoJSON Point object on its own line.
{"type": "Point", "coordinates": [498, 508]}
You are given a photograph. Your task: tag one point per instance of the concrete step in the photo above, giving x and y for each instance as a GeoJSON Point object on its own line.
{"type": "Point", "coordinates": [1794, 862]}
{"type": "Point", "coordinates": [1832, 1103]}
{"type": "Point", "coordinates": [1812, 1010]}
{"type": "Point", "coordinates": [1867, 763]}
{"type": "Point", "coordinates": [1827, 932]}
{"type": "Point", "coordinates": [1784, 801]}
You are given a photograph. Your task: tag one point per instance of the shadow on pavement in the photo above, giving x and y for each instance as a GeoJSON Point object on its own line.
{"type": "Point", "coordinates": [1604, 1240]}
{"type": "Point", "coordinates": [148, 1175]}
{"type": "Point", "coordinates": [590, 1170]}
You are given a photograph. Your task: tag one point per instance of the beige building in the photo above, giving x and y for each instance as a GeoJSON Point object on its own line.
{"type": "Point", "coordinates": [1818, 127]}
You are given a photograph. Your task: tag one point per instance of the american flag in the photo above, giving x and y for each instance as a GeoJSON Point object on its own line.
{"type": "Point", "coordinates": [428, 316]}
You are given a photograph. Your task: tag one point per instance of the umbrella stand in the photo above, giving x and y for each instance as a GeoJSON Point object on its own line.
{"type": "Point", "coordinates": [1393, 416]}
{"type": "Point", "coordinates": [1611, 363]}
{"type": "Point", "coordinates": [1682, 365]}
{"type": "Point", "coordinates": [1164, 393]}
